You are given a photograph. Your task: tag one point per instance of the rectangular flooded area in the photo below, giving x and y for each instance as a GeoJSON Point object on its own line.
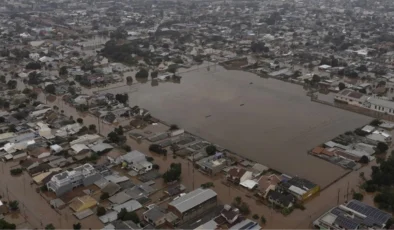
{"type": "Point", "coordinates": [266, 120]}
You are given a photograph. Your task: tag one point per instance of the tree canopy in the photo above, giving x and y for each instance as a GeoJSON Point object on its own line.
{"type": "Point", "coordinates": [173, 173]}
{"type": "Point", "coordinates": [33, 65]}
{"type": "Point", "coordinates": [50, 89]}
{"type": "Point", "coordinates": [142, 73]}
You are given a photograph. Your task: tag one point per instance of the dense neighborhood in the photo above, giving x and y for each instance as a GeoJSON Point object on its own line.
{"type": "Point", "coordinates": [79, 149]}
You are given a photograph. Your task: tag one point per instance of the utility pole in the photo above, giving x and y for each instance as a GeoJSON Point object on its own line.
{"type": "Point", "coordinates": [347, 192]}
{"type": "Point", "coordinates": [338, 196]}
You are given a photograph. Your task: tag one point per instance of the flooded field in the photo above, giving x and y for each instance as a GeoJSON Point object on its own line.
{"type": "Point", "coordinates": [265, 120]}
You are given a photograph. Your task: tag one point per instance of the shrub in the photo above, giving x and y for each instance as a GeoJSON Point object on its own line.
{"type": "Point", "coordinates": [358, 196]}
{"type": "Point", "coordinates": [263, 220]}
{"type": "Point", "coordinates": [156, 167]}
{"type": "Point", "coordinates": [255, 216]}
{"type": "Point", "coordinates": [101, 211]}
{"type": "Point", "coordinates": [104, 196]}
{"type": "Point", "coordinates": [16, 171]}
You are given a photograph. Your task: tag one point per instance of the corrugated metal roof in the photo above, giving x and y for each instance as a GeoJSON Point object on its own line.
{"type": "Point", "coordinates": [193, 199]}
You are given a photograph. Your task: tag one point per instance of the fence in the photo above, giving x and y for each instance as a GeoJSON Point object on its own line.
{"type": "Point", "coordinates": [356, 109]}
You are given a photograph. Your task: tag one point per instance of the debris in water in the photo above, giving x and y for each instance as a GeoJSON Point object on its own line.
{"type": "Point", "coordinates": [207, 116]}
{"type": "Point", "coordinates": [241, 104]}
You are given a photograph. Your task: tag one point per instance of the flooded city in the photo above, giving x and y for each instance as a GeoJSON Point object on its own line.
{"type": "Point", "coordinates": [265, 120]}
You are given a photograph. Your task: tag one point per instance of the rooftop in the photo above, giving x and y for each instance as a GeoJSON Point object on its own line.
{"type": "Point", "coordinates": [193, 199]}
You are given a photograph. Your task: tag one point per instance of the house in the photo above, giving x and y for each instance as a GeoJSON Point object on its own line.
{"type": "Point", "coordinates": [301, 188]}
{"type": "Point", "coordinates": [193, 204]}
{"type": "Point", "coordinates": [246, 224]}
{"type": "Point", "coordinates": [114, 156]}
{"type": "Point", "coordinates": [82, 203]}
{"type": "Point", "coordinates": [235, 174]}
{"type": "Point", "coordinates": [353, 215]}
{"type": "Point", "coordinates": [125, 225]}
{"type": "Point", "coordinates": [213, 164]}
{"type": "Point", "coordinates": [109, 217]}
{"type": "Point", "coordinates": [130, 206]}
{"type": "Point", "coordinates": [229, 213]}
{"type": "Point", "coordinates": [65, 181]}
{"type": "Point", "coordinates": [155, 216]}
{"type": "Point", "coordinates": [280, 199]}
{"type": "Point", "coordinates": [110, 188]}
{"type": "Point", "coordinates": [137, 161]}
{"type": "Point", "coordinates": [86, 139]}
{"type": "Point", "coordinates": [351, 97]}
{"type": "Point", "coordinates": [267, 183]}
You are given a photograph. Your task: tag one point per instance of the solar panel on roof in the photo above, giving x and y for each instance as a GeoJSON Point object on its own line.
{"type": "Point", "coordinates": [346, 223]}
{"type": "Point", "coordinates": [249, 225]}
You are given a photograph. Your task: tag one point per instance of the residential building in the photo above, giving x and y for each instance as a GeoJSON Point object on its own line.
{"type": "Point", "coordinates": [353, 215]}
{"type": "Point", "coordinates": [301, 188]}
{"type": "Point", "coordinates": [82, 203]}
{"type": "Point", "coordinates": [65, 181]}
{"type": "Point", "coordinates": [267, 183]}
{"type": "Point", "coordinates": [235, 174]}
{"type": "Point", "coordinates": [280, 199]}
{"type": "Point", "coordinates": [213, 164]}
{"type": "Point", "coordinates": [350, 97]}
{"type": "Point", "coordinates": [193, 204]}
{"type": "Point", "coordinates": [155, 216]}
{"type": "Point", "coordinates": [137, 161]}
{"type": "Point", "coordinates": [246, 224]}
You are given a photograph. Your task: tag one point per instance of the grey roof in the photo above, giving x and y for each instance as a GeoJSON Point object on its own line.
{"type": "Point", "coordinates": [83, 214]}
{"type": "Point", "coordinates": [193, 199]}
{"type": "Point", "coordinates": [108, 227]}
{"type": "Point", "coordinates": [109, 217]}
{"type": "Point", "coordinates": [130, 206]}
{"type": "Point", "coordinates": [101, 183]}
{"type": "Point", "coordinates": [155, 213]}
{"type": "Point", "coordinates": [246, 224]}
{"type": "Point", "coordinates": [56, 203]}
{"type": "Point", "coordinates": [101, 147]}
{"type": "Point", "coordinates": [122, 225]}
{"type": "Point", "coordinates": [111, 188]}
{"type": "Point", "coordinates": [120, 198]}
{"type": "Point", "coordinates": [134, 156]}
{"type": "Point", "coordinates": [381, 102]}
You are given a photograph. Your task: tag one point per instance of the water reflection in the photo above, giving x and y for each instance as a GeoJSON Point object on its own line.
{"type": "Point", "coordinates": [142, 80]}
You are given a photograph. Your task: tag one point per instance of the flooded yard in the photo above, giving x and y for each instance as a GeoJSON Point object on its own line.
{"type": "Point", "coordinates": [265, 120]}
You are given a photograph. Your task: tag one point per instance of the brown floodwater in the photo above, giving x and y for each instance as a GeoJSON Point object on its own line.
{"type": "Point", "coordinates": [266, 120]}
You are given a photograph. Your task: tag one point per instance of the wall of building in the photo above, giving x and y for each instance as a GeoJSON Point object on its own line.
{"type": "Point", "coordinates": [200, 209]}
{"type": "Point", "coordinates": [310, 193]}
{"type": "Point", "coordinates": [91, 179]}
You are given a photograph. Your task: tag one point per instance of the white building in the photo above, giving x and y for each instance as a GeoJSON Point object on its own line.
{"type": "Point", "coordinates": [65, 181]}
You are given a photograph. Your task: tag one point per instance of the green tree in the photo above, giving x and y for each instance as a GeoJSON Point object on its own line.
{"type": "Point", "coordinates": [14, 205]}
{"type": "Point", "coordinates": [92, 128]}
{"type": "Point", "coordinates": [11, 84]}
{"type": "Point", "coordinates": [341, 86]}
{"type": "Point", "coordinates": [5, 225]}
{"type": "Point", "coordinates": [101, 211]}
{"type": "Point", "coordinates": [172, 68]}
{"type": "Point", "coordinates": [80, 120]}
{"type": "Point", "coordinates": [255, 216]}
{"type": "Point", "coordinates": [358, 196]}
{"type": "Point", "coordinates": [50, 89]}
{"type": "Point", "coordinates": [210, 150]}
{"type": "Point", "coordinates": [382, 147]}
{"type": "Point", "coordinates": [2, 79]}
{"type": "Point", "coordinates": [129, 80]}
{"type": "Point", "coordinates": [154, 74]}
{"type": "Point", "coordinates": [63, 71]}
{"type": "Point", "coordinates": [77, 226]}
{"type": "Point", "coordinates": [238, 200]}
{"type": "Point", "coordinates": [263, 220]}
{"type": "Point", "coordinates": [142, 73]}
{"type": "Point", "coordinates": [104, 196]}
{"type": "Point", "coordinates": [173, 173]}
{"type": "Point", "coordinates": [49, 227]}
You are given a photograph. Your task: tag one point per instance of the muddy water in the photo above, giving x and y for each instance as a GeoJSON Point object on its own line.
{"type": "Point", "coordinates": [266, 120]}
